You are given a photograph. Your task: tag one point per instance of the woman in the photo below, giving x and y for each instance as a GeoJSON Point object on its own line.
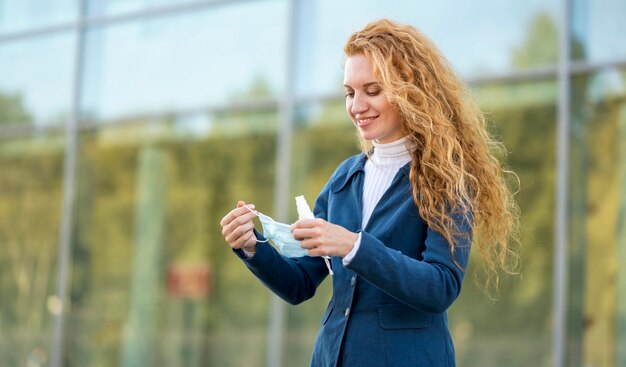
{"type": "Point", "coordinates": [397, 220]}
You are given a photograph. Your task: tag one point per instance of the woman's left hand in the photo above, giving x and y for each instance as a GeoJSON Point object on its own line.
{"type": "Point", "coordinates": [322, 238]}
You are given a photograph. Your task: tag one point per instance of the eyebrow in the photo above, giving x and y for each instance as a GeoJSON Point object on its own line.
{"type": "Point", "coordinates": [364, 85]}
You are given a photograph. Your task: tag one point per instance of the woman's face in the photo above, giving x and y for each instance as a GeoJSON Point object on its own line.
{"type": "Point", "coordinates": [372, 114]}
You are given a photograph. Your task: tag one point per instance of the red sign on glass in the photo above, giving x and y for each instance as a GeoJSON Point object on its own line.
{"type": "Point", "coordinates": [188, 280]}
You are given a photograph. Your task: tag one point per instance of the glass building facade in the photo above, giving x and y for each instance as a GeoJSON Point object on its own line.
{"type": "Point", "coordinates": [129, 128]}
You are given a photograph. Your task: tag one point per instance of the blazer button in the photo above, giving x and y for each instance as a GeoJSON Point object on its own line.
{"type": "Point", "coordinates": [353, 281]}
{"type": "Point", "coordinates": [346, 312]}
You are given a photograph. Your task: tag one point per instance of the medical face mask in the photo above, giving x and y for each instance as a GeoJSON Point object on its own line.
{"type": "Point", "coordinates": [280, 234]}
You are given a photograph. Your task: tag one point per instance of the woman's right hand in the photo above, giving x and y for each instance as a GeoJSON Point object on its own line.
{"type": "Point", "coordinates": [237, 227]}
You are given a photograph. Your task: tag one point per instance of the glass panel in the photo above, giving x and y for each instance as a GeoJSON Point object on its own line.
{"type": "Point", "coordinates": [598, 207]}
{"type": "Point", "coordinates": [504, 35]}
{"type": "Point", "coordinates": [323, 137]}
{"type": "Point", "coordinates": [20, 15]}
{"type": "Point", "coordinates": [114, 7]}
{"type": "Point", "coordinates": [597, 29]}
{"type": "Point", "coordinates": [224, 55]}
{"type": "Point", "coordinates": [523, 116]}
{"type": "Point", "coordinates": [30, 207]}
{"type": "Point", "coordinates": [38, 89]}
{"type": "Point", "coordinates": [154, 281]}
{"type": "Point", "coordinates": [620, 342]}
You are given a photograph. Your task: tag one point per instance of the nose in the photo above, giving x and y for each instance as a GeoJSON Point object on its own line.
{"type": "Point", "coordinates": [359, 105]}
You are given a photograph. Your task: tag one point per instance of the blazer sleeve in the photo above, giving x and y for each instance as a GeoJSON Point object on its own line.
{"type": "Point", "coordinates": [430, 284]}
{"type": "Point", "coordinates": [295, 280]}
{"type": "Point", "coordinates": [292, 279]}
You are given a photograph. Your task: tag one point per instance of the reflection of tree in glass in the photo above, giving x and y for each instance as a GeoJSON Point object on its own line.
{"type": "Point", "coordinates": [516, 330]}
{"type": "Point", "coordinates": [29, 207]}
{"type": "Point", "coordinates": [323, 137]}
{"type": "Point", "coordinates": [204, 176]}
{"type": "Point", "coordinates": [541, 45]}
{"type": "Point", "coordinates": [12, 110]}
{"type": "Point", "coordinates": [30, 198]}
{"type": "Point", "coordinates": [595, 218]}
{"type": "Point", "coordinates": [258, 89]}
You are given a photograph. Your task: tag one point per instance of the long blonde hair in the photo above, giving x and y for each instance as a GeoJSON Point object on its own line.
{"type": "Point", "coordinates": [454, 170]}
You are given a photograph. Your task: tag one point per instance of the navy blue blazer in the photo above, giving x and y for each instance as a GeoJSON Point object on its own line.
{"type": "Point", "coordinates": [389, 304]}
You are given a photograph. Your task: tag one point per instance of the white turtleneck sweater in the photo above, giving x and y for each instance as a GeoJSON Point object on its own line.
{"type": "Point", "coordinates": [380, 170]}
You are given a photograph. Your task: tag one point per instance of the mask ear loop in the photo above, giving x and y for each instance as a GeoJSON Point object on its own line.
{"type": "Point", "coordinates": [327, 261]}
{"type": "Point", "coordinates": [257, 214]}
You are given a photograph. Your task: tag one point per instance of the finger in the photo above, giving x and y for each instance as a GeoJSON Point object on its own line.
{"type": "Point", "coordinates": [229, 227]}
{"type": "Point", "coordinates": [245, 216]}
{"type": "Point", "coordinates": [241, 203]}
{"type": "Point", "coordinates": [233, 237]}
{"type": "Point", "coordinates": [228, 218]}
{"type": "Point", "coordinates": [243, 240]}
{"type": "Point", "coordinates": [237, 212]}
{"type": "Point", "coordinates": [250, 242]}
{"type": "Point", "coordinates": [306, 223]}
{"type": "Point", "coordinates": [299, 234]}
{"type": "Point", "coordinates": [242, 220]}
{"type": "Point", "coordinates": [239, 231]}
{"type": "Point", "coordinates": [317, 251]}
{"type": "Point", "coordinates": [245, 207]}
{"type": "Point", "coordinates": [309, 244]}
{"type": "Point", "coordinates": [306, 233]}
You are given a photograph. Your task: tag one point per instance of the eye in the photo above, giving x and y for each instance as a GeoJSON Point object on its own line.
{"type": "Point", "coordinates": [349, 94]}
{"type": "Point", "coordinates": [373, 93]}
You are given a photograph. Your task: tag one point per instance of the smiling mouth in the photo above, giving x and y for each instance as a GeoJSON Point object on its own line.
{"type": "Point", "coordinates": [365, 121]}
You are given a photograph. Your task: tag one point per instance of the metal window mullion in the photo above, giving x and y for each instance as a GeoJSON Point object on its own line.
{"type": "Point", "coordinates": [69, 196]}
{"type": "Point", "coordinates": [86, 20]}
{"type": "Point", "coordinates": [39, 31]}
{"type": "Point", "coordinates": [559, 311]}
{"type": "Point", "coordinates": [21, 130]}
{"type": "Point", "coordinates": [276, 329]}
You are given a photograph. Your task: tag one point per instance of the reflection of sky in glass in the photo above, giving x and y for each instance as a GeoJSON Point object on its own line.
{"type": "Point", "coordinates": [215, 56]}
{"type": "Point", "coordinates": [17, 15]}
{"type": "Point", "coordinates": [606, 84]}
{"type": "Point", "coordinates": [112, 7]}
{"type": "Point", "coordinates": [41, 71]}
{"type": "Point", "coordinates": [600, 27]}
{"type": "Point", "coordinates": [474, 38]}
{"type": "Point", "coordinates": [207, 58]}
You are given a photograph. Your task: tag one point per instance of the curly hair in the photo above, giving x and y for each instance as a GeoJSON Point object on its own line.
{"type": "Point", "coordinates": [454, 169]}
